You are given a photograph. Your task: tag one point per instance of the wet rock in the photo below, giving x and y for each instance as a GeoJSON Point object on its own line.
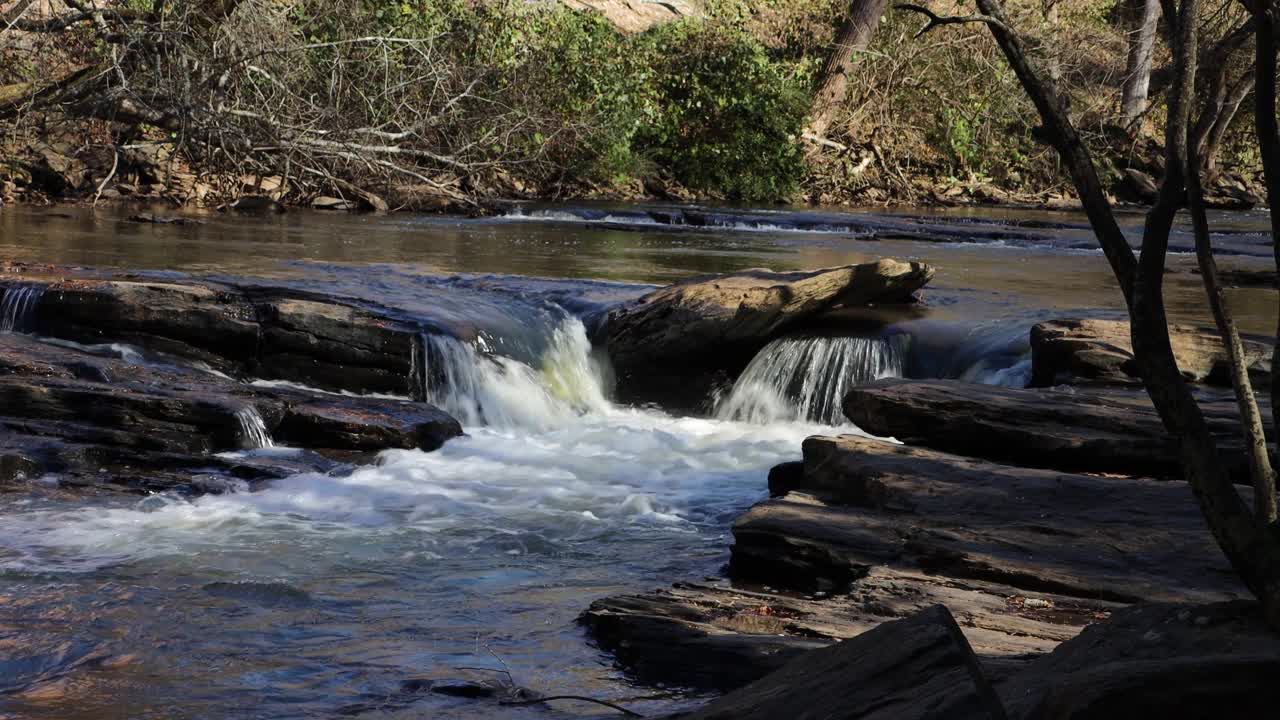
{"type": "Point", "coordinates": [366, 424]}
{"type": "Point", "coordinates": [95, 420]}
{"type": "Point", "coordinates": [876, 503]}
{"type": "Point", "coordinates": [325, 202]}
{"type": "Point", "coordinates": [1074, 350]}
{"type": "Point", "coordinates": [263, 332]}
{"type": "Point", "coordinates": [262, 594]}
{"type": "Point", "coordinates": [333, 346]}
{"type": "Point", "coordinates": [1078, 429]}
{"type": "Point", "coordinates": [208, 322]}
{"type": "Point", "coordinates": [918, 667]}
{"type": "Point", "coordinates": [707, 325]}
{"type": "Point", "coordinates": [1164, 660]}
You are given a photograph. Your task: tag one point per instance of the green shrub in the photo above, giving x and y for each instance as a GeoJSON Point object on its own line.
{"type": "Point", "coordinates": [726, 117]}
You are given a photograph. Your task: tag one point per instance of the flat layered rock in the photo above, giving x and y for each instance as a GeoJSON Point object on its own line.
{"type": "Point", "coordinates": [1034, 530]}
{"type": "Point", "coordinates": [262, 332]}
{"type": "Point", "coordinates": [1076, 350]}
{"type": "Point", "coordinates": [714, 323]}
{"type": "Point", "coordinates": [867, 531]}
{"type": "Point", "coordinates": [1079, 429]}
{"type": "Point", "coordinates": [910, 669]}
{"type": "Point", "coordinates": [720, 636]}
{"type": "Point", "coordinates": [93, 418]}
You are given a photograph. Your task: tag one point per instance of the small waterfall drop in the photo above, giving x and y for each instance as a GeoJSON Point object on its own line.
{"type": "Point", "coordinates": [806, 378]}
{"type": "Point", "coordinates": [484, 389]}
{"type": "Point", "coordinates": [18, 308]}
{"type": "Point", "coordinates": [253, 430]}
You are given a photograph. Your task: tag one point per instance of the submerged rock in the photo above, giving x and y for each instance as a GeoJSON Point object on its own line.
{"type": "Point", "coordinates": [1074, 350]}
{"type": "Point", "coordinates": [707, 325]}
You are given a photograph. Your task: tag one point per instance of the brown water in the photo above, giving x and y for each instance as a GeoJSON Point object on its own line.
{"type": "Point", "coordinates": [320, 596]}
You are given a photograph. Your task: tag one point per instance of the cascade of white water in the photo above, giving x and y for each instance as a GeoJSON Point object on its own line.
{"type": "Point", "coordinates": [806, 378]}
{"type": "Point", "coordinates": [253, 430]}
{"type": "Point", "coordinates": [18, 308]}
{"type": "Point", "coordinates": [483, 389]}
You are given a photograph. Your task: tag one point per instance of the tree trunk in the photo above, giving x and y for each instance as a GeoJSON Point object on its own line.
{"type": "Point", "coordinates": [1137, 73]}
{"type": "Point", "coordinates": [1251, 543]}
{"type": "Point", "coordinates": [833, 82]}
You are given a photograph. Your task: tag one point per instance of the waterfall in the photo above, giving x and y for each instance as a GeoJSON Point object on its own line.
{"type": "Point", "coordinates": [253, 430]}
{"type": "Point", "coordinates": [479, 388]}
{"type": "Point", "coordinates": [18, 308]}
{"type": "Point", "coordinates": [806, 378]}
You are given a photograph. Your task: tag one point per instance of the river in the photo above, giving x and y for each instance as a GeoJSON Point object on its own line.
{"type": "Point", "coordinates": [323, 595]}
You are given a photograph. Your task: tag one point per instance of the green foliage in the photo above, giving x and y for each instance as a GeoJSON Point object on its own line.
{"type": "Point", "coordinates": [727, 116]}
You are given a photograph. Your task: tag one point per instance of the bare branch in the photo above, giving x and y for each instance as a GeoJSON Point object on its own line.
{"type": "Point", "coordinates": [936, 21]}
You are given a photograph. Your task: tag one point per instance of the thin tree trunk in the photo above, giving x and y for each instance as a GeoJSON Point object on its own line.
{"type": "Point", "coordinates": [833, 81]}
{"type": "Point", "coordinates": [1235, 98]}
{"type": "Point", "coordinates": [1252, 547]}
{"type": "Point", "coordinates": [1269, 145]}
{"type": "Point", "coordinates": [1137, 74]}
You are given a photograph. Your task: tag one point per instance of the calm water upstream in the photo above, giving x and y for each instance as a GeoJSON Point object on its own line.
{"type": "Point", "coordinates": [321, 595]}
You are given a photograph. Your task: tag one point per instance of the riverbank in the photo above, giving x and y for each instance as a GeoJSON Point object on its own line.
{"type": "Point", "coordinates": [529, 101]}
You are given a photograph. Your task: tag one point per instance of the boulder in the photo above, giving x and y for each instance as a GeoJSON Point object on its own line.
{"type": "Point", "coordinates": [1075, 350]}
{"type": "Point", "coordinates": [365, 424]}
{"type": "Point", "coordinates": [1077, 429]}
{"type": "Point", "coordinates": [715, 324]}
{"type": "Point", "coordinates": [333, 346]}
{"type": "Point", "coordinates": [910, 669]}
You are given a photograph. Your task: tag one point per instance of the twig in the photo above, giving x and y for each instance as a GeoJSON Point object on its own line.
{"type": "Point", "coordinates": [583, 698]}
{"type": "Point", "coordinates": [936, 20]}
{"type": "Point", "coordinates": [115, 162]}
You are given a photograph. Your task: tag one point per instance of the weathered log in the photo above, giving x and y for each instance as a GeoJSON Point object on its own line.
{"type": "Point", "coordinates": [689, 331]}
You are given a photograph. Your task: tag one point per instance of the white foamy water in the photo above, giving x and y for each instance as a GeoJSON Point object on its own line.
{"type": "Point", "coordinates": [596, 477]}
{"type": "Point", "coordinates": [807, 378]}
{"type": "Point", "coordinates": [480, 388]}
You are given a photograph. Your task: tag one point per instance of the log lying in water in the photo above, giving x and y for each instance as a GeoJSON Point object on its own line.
{"type": "Point", "coordinates": [1100, 430]}
{"type": "Point", "coordinates": [695, 328]}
